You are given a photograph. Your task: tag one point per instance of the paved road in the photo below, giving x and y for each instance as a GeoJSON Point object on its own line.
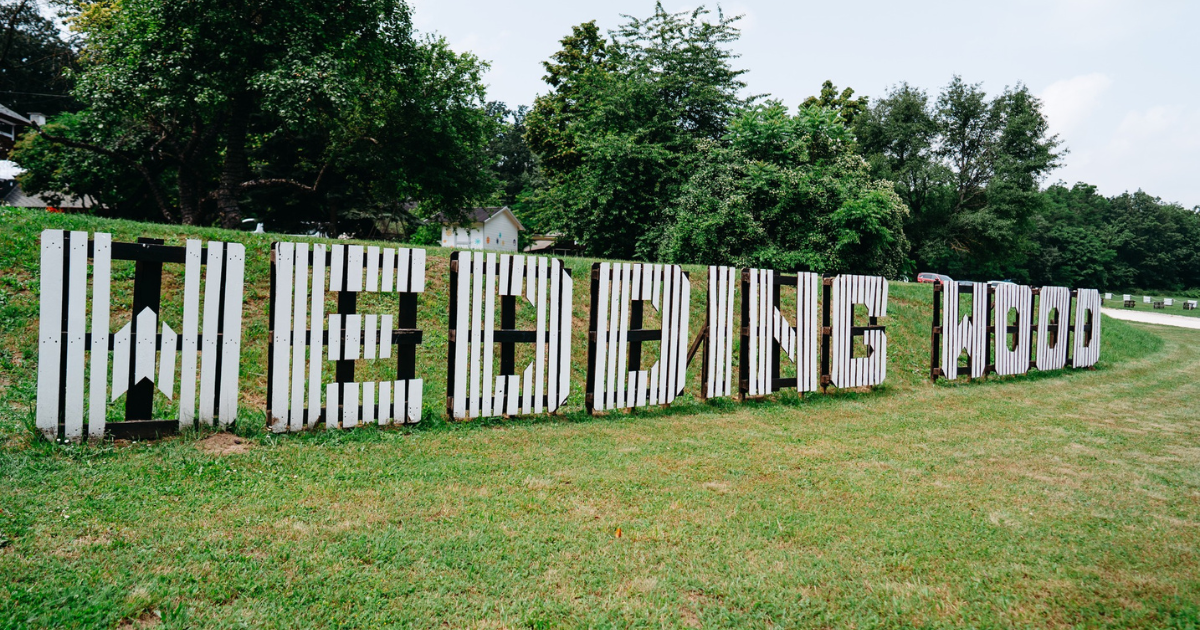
{"type": "Point", "coordinates": [1153, 318]}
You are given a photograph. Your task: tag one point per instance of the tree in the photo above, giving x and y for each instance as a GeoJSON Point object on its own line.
{"type": "Point", "coordinates": [318, 107]}
{"type": "Point", "coordinates": [847, 107]}
{"type": "Point", "coordinates": [615, 135]}
{"type": "Point", "coordinates": [787, 193]}
{"type": "Point", "coordinates": [33, 58]}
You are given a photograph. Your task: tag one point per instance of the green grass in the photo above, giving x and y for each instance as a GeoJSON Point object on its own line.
{"type": "Point", "coordinates": [1138, 305]}
{"type": "Point", "coordinates": [1065, 499]}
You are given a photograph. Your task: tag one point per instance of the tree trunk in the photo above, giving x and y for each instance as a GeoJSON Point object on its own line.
{"type": "Point", "coordinates": [233, 172]}
{"type": "Point", "coordinates": [189, 199]}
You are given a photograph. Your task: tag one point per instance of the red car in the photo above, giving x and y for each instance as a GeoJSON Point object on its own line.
{"type": "Point", "coordinates": [930, 278]}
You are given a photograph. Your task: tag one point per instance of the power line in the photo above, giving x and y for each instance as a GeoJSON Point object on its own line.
{"type": "Point", "coordinates": [34, 94]}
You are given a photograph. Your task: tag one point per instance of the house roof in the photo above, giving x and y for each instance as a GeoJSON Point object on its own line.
{"type": "Point", "coordinates": [17, 198]}
{"type": "Point", "coordinates": [483, 215]}
{"type": "Point", "coordinates": [8, 113]}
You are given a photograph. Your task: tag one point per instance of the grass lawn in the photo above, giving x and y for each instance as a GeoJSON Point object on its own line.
{"type": "Point", "coordinates": [1138, 305]}
{"type": "Point", "coordinates": [1066, 499]}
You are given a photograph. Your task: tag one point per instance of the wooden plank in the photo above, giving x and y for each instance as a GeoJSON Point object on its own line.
{"type": "Point", "coordinates": [478, 274]}
{"type": "Point", "coordinates": [489, 330]}
{"type": "Point", "coordinates": [166, 362]}
{"type": "Point", "coordinates": [503, 277]}
{"type": "Point", "coordinates": [400, 401]}
{"type": "Point", "coordinates": [677, 350]}
{"type": "Point", "coordinates": [512, 405]}
{"type": "Point", "coordinates": [333, 411]}
{"type": "Point", "coordinates": [335, 337]}
{"type": "Point", "coordinates": [368, 404]}
{"type": "Point", "coordinates": [566, 329]}
{"type": "Point", "coordinates": [685, 316]}
{"type": "Point", "coordinates": [101, 313]}
{"type": "Point", "coordinates": [76, 336]}
{"type": "Point", "coordinates": [122, 352]}
{"type": "Point", "coordinates": [540, 348]}
{"type": "Point", "coordinates": [518, 275]}
{"type": "Point", "coordinates": [462, 334]}
{"type": "Point", "coordinates": [337, 262]}
{"type": "Point", "coordinates": [527, 390]}
{"type": "Point", "coordinates": [418, 286]}
{"type": "Point", "coordinates": [553, 321]}
{"type": "Point", "coordinates": [498, 393]}
{"type": "Point", "coordinates": [753, 323]}
{"type": "Point", "coordinates": [624, 279]}
{"type": "Point", "coordinates": [710, 349]}
{"type": "Point", "coordinates": [370, 336]}
{"type": "Point", "coordinates": [300, 301]}
{"type": "Point", "coordinates": [403, 268]}
{"type": "Point", "coordinates": [599, 385]}
{"type": "Point", "coordinates": [144, 345]}
{"type": "Point", "coordinates": [354, 268]}
{"type": "Point", "coordinates": [373, 269]}
{"type": "Point", "coordinates": [386, 327]}
{"type": "Point", "coordinates": [349, 405]}
{"type": "Point", "coordinates": [208, 347]}
{"type": "Point", "coordinates": [316, 351]}
{"type": "Point", "coordinates": [388, 271]}
{"type": "Point", "coordinates": [352, 344]}
{"type": "Point", "coordinates": [231, 343]}
{"type": "Point", "coordinates": [1051, 299]}
{"type": "Point", "coordinates": [385, 403]}
{"type": "Point", "coordinates": [50, 310]}
{"type": "Point", "coordinates": [191, 324]}
{"type": "Point", "coordinates": [416, 389]}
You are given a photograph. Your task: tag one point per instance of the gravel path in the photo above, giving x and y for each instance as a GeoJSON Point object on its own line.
{"type": "Point", "coordinates": [1153, 318]}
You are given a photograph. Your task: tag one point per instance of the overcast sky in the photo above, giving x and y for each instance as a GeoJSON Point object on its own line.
{"type": "Point", "coordinates": [1119, 79]}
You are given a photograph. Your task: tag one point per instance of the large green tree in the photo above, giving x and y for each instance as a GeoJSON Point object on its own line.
{"type": "Point", "coordinates": [324, 106]}
{"type": "Point", "coordinates": [616, 134]}
{"type": "Point", "coordinates": [33, 60]}
{"type": "Point", "coordinates": [788, 193]}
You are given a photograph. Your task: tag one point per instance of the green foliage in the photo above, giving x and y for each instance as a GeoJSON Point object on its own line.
{"type": "Point", "coordinates": [844, 103]}
{"type": "Point", "coordinates": [788, 193]}
{"type": "Point", "coordinates": [290, 109]}
{"type": "Point", "coordinates": [34, 60]}
{"type": "Point", "coordinates": [616, 135]}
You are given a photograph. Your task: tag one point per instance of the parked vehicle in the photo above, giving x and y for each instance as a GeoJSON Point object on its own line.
{"type": "Point", "coordinates": [930, 277]}
{"type": "Point", "coordinates": [992, 283]}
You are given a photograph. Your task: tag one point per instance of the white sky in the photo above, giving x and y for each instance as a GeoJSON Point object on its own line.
{"type": "Point", "coordinates": [1119, 78]}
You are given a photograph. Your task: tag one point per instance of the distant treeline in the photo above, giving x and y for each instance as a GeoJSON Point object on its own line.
{"type": "Point", "coordinates": [642, 148]}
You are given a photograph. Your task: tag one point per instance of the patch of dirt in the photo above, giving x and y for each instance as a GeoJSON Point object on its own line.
{"type": "Point", "coordinates": [223, 444]}
{"type": "Point", "coordinates": [148, 619]}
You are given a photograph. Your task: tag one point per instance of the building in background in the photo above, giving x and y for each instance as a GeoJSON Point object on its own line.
{"type": "Point", "coordinates": [485, 228]}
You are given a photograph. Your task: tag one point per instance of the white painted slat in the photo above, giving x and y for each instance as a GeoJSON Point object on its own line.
{"type": "Point", "coordinates": [498, 406]}
{"type": "Point", "coordinates": [665, 346]}
{"type": "Point", "coordinates": [556, 274]}
{"type": "Point", "coordinates": [337, 262]}
{"type": "Point", "coordinates": [1087, 346]}
{"type": "Point", "coordinates": [462, 334]}
{"type": "Point", "coordinates": [349, 405]}
{"type": "Point", "coordinates": [146, 330]}
{"type": "Point", "coordinates": [753, 353]}
{"type": "Point", "coordinates": [622, 326]}
{"type": "Point", "coordinates": [122, 352]}
{"type": "Point", "coordinates": [50, 312]}
{"type": "Point", "coordinates": [191, 325]}
{"type": "Point", "coordinates": [710, 350]}
{"type": "Point", "coordinates": [386, 327]}
{"type": "Point", "coordinates": [354, 268]}
{"type": "Point", "coordinates": [368, 403]}
{"type": "Point", "coordinates": [677, 357]}
{"type": "Point", "coordinates": [231, 359]}
{"type": "Point", "coordinates": [416, 391]}
{"type": "Point", "coordinates": [373, 269]}
{"type": "Point", "coordinates": [316, 350]}
{"type": "Point", "coordinates": [166, 362]}
{"type": "Point", "coordinates": [333, 411]}
{"type": "Point", "coordinates": [403, 269]}
{"type": "Point", "coordinates": [418, 286]}
{"type": "Point", "coordinates": [299, 325]}
{"type": "Point", "coordinates": [335, 336]}
{"type": "Point", "coordinates": [527, 390]}
{"type": "Point", "coordinates": [566, 328]}
{"type": "Point", "coordinates": [489, 330]}
{"type": "Point", "coordinates": [385, 403]}
{"type": "Point", "coordinates": [512, 388]}
{"type": "Point", "coordinates": [502, 278]}
{"type": "Point", "coordinates": [640, 382]}
{"type": "Point", "coordinates": [370, 336]}
{"type": "Point", "coordinates": [352, 348]}
{"type": "Point", "coordinates": [656, 287]}
{"type": "Point", "coordinates": [540, 348]}
{"type": "Point", "coordinates": [208, 345]}
{"type": "Point", "coordinates": [76, 335]}
{"type": "Point", "coordinates": [400, 401]}
{"type": "Point", "coordinates": [388, 271]}
{"type": "Point", "coordinates": [478, 272]}
{"type": "Point", "coordinates": [101, 313]}
{"type": "Point", "coordinates": [685, 317]}
{"type": "Point", "coordinates": [516, 287]}
{"type": "Point", "coordinates": [598, 381]}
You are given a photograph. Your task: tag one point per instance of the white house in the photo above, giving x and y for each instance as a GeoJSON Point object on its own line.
{"type": "Point", "coordinates": [487, 228]}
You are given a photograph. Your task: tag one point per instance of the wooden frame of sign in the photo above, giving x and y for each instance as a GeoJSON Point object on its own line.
{"type": "Point", "coordinates": [294, 392]}
{"type": "Point", "coordinates": [134, 348]}
{"type": "Point", "coordinates": [967, 335]}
